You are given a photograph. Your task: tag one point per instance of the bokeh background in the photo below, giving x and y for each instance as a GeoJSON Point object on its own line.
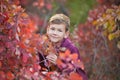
{"type": "Point", "coordinates": [95, 30]}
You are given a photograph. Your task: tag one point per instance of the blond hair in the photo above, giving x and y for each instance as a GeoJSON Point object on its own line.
{"type": "Point", "coordinates": [60, 18]}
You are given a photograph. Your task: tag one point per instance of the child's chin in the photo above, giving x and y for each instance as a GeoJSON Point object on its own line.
{"type": "Point", "coordinates": [54, 41]}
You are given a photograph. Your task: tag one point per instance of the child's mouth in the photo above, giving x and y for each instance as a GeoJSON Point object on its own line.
{"type": "Point", "coordinates": [54, 36]}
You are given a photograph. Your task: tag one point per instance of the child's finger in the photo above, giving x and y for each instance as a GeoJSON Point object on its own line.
{"type": "Point", "coordinates": [52, 58]}
{"type": "Point", "coordinates": [52, 61]}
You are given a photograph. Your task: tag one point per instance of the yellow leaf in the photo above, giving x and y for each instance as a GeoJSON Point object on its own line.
{"type": "Point", "coordinates": [24, 15]}
{"type": "Point", "coordinates": [106, 25]}
{"type": "Point", "coordinates": [111, 25]}
{"type": "Point", "coordinates": [111, 36]}
{"type": "Point", "coordinates": [109, 10]}
{"type": "Point", "coordinates": [95, 22]}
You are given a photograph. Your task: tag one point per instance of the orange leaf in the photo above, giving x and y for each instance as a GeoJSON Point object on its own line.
{"type": "Point", "coordinates": [80, 64]}
{"type": "Point", "coordinates": [61, 55]}
{"type": "Point", "coordinates": [22, 45]}
{"type": "Point", "coordinates": [75, 76]}
{"type": "Point", "coordinates": [31, 50]}
{"type": "Point", "coordinates": [59, 62]}
{"type": "Point", "coordinates": [67, 52]}
{"type": "Point", "coordinates": [74, 56]}
{"type": "Point", "coordinates": [48, 76]}
{"type": "Point", "coordinates": [24, 15]}
{"type": "Point", "coordinates": [0, 64]}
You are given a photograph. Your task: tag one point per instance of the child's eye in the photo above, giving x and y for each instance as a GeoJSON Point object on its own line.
{"type": "Point", "coordinates": [59, 30]}
{"type": "Point", "coordinates": [52, 28]}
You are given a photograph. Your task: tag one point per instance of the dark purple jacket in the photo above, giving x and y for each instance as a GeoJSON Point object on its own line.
{"type": "Point", "coordinates": [69, 45]}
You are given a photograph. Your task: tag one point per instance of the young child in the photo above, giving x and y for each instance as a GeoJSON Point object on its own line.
{"type": "Point", "coordinates": [57, 40]}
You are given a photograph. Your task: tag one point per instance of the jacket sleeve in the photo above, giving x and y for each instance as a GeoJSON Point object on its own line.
{"type": "Point", "coordinates": [74, 50]}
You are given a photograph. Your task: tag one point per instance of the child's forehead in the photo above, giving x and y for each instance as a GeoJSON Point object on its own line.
{"type": "Point", "coordinates": [57, 25]}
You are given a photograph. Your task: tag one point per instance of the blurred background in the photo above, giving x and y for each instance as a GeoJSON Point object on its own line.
{"type": "Point", "coordinates": [95, 30]}
{"type": "Point", "coordinates": [41, 10]}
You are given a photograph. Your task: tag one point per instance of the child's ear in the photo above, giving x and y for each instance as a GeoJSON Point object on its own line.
{"type": "Point", "coordinates": [67, 34]}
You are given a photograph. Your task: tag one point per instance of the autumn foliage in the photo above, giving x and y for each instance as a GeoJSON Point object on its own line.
{"type": "Point", "coordinates": [20, 44]}
{"type": "Point", "coordinates": [98, 40]}
{"type": "Point", "coordinates": [17, 53]}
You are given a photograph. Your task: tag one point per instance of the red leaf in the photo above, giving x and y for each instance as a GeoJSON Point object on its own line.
{"type": "Point", "coordinates": [36, 67]}
{"type": "Point", "coordinates": [12, 61]}
{"type": "Point", "coordinates": [10, 75]}
{"type": "Point", "coordinates": [22, 45]}
{"type": "Point", "coordinates": [49, 75]}
{"type": "Point", "coordinates": [2, 75]}
{"type": "Point", "coordinates": [9, 44]}
{"type": "Point", "coordinates": [25, 57]}
{"type": "Point", "coordinates": [1, 49]}
{"type": "Point", "coordinates": [0, 64]}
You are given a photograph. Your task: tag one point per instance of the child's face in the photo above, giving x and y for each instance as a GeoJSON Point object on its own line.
{"type": "Point", "coordinates": [56, 32]}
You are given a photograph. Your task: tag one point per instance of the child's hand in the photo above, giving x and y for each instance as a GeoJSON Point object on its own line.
{"type": "Point", "coordinates": [52, 58]}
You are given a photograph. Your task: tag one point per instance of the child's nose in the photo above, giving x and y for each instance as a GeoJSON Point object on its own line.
{"type": "Point", "coordinates": [55, 32]}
